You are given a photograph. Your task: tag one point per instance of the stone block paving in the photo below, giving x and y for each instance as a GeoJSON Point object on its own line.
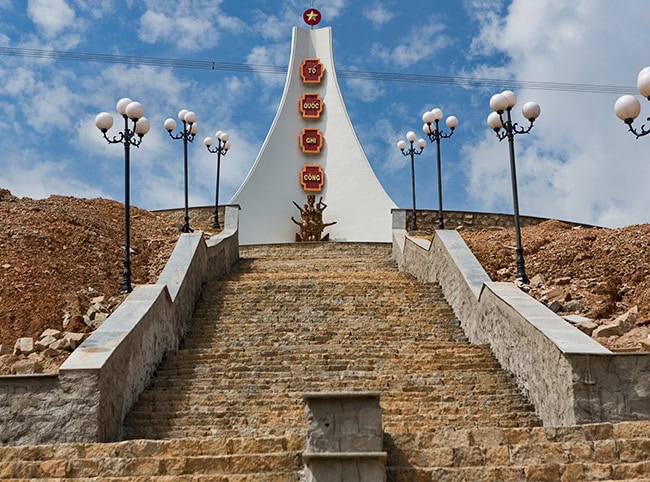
{"type": "Point", "coordinates": [322, 317]}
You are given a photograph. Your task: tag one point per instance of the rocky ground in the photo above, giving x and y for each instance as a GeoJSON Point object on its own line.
{"type": "Point", "coordinates": [599, 274]}
{"type": "Point", "coordinates": [61, 268]}
{"type": "Point", "coordinates": [61, 271]}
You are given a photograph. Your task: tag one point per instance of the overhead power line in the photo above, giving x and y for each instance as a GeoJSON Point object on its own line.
{"type": "Point", "coordinates": [347, 74]}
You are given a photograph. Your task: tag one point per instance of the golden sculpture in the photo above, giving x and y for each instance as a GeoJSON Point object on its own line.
{"type": "Point", "coordinates": [311, 220]}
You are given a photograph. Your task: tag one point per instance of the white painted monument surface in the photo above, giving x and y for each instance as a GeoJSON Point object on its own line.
{"type": "Point", "coordinates": [312, 128]}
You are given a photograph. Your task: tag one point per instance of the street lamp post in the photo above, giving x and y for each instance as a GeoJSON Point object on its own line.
{"type": "Point", "coordinates": [435, 134]}
{"type": "Point", "coordinates": [628, 107]}
{"type": "Point", "coordinates": [221, 149]}
{"type": "Point", "coordinates": [505, 128]}
{"type": "Point", "coordinates": [190, 129]}
{"type": "Point", "coordinates": [134, 111]}
{"type": "Point", "coordinates": [412, 151]}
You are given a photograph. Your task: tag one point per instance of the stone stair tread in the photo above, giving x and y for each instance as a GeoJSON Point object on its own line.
{"type": "Point", "coordinates": [152, 466]}
{"type": "Point", "coordinates": [313, 317]}
{"type": "Point", "coordinates": [537, 472]}
{"type": "Point", "coordinates": [278, 327]}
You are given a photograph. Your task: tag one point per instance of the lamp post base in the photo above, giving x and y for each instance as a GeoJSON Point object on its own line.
{"type": "Point", "coordinates": [186, 226]}
{"type": "Point", "coordinates": [521, 271]}
{"type": "Point", "coordinates": [126, 284]}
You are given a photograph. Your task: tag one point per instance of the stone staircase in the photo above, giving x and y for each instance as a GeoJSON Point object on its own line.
{"type": "Point", "coordinates": [321, 317]}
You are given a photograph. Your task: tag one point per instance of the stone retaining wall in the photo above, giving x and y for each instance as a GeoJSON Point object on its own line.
{"type": "Point", "coordinates": [427, 220]}
{"type": "Point", "coordinates": [104, 376]}
{"type": "Point", "coordinates": [569, 377]}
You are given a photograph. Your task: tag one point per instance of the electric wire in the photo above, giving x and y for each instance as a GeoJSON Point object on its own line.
{"type": "Point", "coordinates": [346, 74]}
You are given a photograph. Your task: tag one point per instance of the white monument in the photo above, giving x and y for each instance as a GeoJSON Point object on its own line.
{"type": "Point", "coordinates": [312, 148]}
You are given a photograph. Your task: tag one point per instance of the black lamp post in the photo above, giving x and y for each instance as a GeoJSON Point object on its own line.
{"type": "Point", "coordinates": [104, 121]}
{"type": "Point", "coordinates": [628, 107]}
{"type": "Point", "coordinates": [504, 127]}
{"type": "Point", "coordinates": [190, 129]}
{"type": "Point", "coordinates": [221, 149]}
{"type": "Point", "coordinates": [412, 151]}
{"type": "Point", "coordinates": [435, 134]}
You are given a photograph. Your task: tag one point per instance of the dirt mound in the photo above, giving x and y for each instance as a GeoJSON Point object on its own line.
{"type": "Point", "coordinates": [598, 273]}
{"type": "Point", "coordinates": [60, 253]}
{"type": "Point", "coordinates": [57, 254]}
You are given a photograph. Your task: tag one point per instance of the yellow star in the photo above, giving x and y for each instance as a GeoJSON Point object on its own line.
{"type": "Point", "coordinates": [312, 15]}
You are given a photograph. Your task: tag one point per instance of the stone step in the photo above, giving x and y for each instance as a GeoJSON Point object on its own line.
{"type": "Point", "coordinates": [209, 414]}
{"type": "Point", "coordinates": [259, 464]}
{"type": "Point", "coordinates": [409, 351]}
{"type": "Point", "coordinates": [542, 473]}
{"type": "Point", "coordinates": [227, 405]}
{"type": "Point", "coordinates": [214, 370]}
{"type": "Point", "coordinates": [304, 378]}
{"type": "Point", "coordinates": [323, 317]}
{"type": "Point", "coordinates": [226, 458]}
{"type": "Point", "coordinates": [392, 403]}
{"type": "Point", "coordinates": [226, 445]}
{"type": "Point", "coordinates": [268, 477]}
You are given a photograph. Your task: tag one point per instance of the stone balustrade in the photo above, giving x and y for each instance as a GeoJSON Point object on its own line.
{"type": "Point", "coordinates": [103, 377]}
{"type": "Point", "coordinates": [569, 377]}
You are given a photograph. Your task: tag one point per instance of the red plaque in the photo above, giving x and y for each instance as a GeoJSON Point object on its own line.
{"type": "Point", "coordinates": [312, 178]}
{"type": "Point", "coordinates": [311, 141]}
{"type": "Point", "coordinates": [312, 17]}
{"type": "Point", "coordinates": [311, 106]}
{"type": "Point", "coordinates": [311, 71]}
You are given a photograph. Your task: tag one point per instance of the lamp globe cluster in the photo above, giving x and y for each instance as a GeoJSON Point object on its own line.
{"type": "Point", "coordinates": [431, 119]}
{"type": "Point", "coordinates": [187, 117]}
{"type": "Point", "coordinates": [628, 107]}
{"type": "Point", "coordinates": [128, 109]}
{"type": "Point", "coordinates": [221, 137]}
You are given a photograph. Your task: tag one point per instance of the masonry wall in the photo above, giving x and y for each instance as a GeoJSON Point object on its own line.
{"type": "Point", "coordinates": [102, 379]}
{"type": "Point", "coordinates": [427, 220]}
{"type": "Point", "coordinates": [569, 377]}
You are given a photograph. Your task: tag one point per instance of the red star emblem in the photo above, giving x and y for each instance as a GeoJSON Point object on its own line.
{"type": "Point", "coordinates": [311, 17]}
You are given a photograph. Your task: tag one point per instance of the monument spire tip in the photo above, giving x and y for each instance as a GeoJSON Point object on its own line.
{"type": "Point", "coordinates": [312, 17]}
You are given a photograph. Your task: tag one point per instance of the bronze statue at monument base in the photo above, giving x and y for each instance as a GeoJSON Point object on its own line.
{"type": "Point", "coordinates": [311, 220]}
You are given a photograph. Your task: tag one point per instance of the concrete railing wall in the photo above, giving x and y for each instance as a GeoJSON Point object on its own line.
{"type": "Point", "coordinates": [103, 377]}
{"type": "Point", "coordinates": [427, 220]}
{"type": "Point", "coordinates": [569, 377]}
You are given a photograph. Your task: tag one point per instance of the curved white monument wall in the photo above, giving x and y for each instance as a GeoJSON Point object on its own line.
{"type": "Point", "coordinates": [355, 198]}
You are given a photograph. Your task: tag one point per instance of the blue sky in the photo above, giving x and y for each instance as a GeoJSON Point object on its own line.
{"type": "Point", "coordinates": [578, 163]}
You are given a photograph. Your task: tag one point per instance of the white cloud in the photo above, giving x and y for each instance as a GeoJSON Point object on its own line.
{"type": "Point", "coordinates": [366, 91]}
{"type": "Point", "coordinates": [274, 54]}
{"type": "Point", "coordinates": [577, 163]}
{"type": "Point", "coordinates": [51, 16]}
{"type": "Point", "coordinates": [274, 27]}
{"type": "Point", "coordinates": [378, 15]}
{"type": "Point", "coordinates": [333, 8]}
{"type": "Point", "coordinates": [187, 24]}
{"type": "Point", "coordinates": [32, 176]}
{"type": "Point", "coordinates": [410, 49]}
{"type": "Point", "coordinates": [96, 9]}
{"type": "Point", "coordinates": [185, 32]}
